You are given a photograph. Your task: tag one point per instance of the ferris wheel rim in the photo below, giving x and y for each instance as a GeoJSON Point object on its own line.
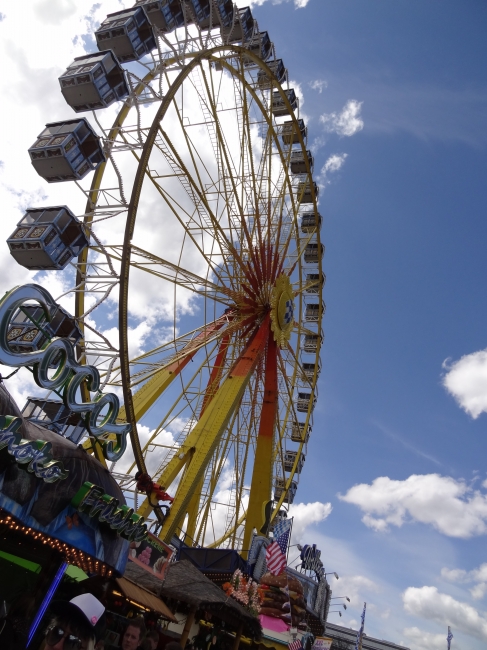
{"type": "Point", "coordinates": [196, 59]}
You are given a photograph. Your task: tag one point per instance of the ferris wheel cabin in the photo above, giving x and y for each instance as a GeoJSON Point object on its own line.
{"type": "Point", "coordinates": [279, 106]}
{"type": "Point", "coordinates": [304, 192]}
{"type": "Point", "coordinates": [289, 460]}
{"type": "Point", "coordinates": [314, 281]}
{"type": "Point", "coordinates": [260, 45]}
{"type": "Point", "coordinates": [47, 239]}
{"type": "Point", "coordinates": [225, 8]}
{"type": "Point", "coordinates": [311, 342]}
{"type": "Point", "coordinates": [313, 253]}
{"type": "Point", "coordinates": [53, 415]}
{"type": "Point", "coordinates": [66, 151]}
{"type": "Point", "coordinates": [93, 81]}
{"type": "Point", "coordinates": [278, 70]}
{"type": "Point", "coordinates": [300, 433]}
{"type": "Point", "coordinates": [128, 33]}
{"type": "Point", "coordinates": [29, 329]}
{"type": "Point", "coordinates": [310, 221]}
{"type": "Point", "coordinates": [298, 162]}
{"type": "Point", "coordinates": [289, 494]}
{"type": "Point", "coordinates": [205, 13]}
{"type": "Point", "coordinates": [309, 370]}
{"type": "Point", "coordinates": [241, 28]}
{"type": "Point", "coordinates": [314, 312]}
{"type": "Point", "coordinates": [290, 135]}
{"type": "Point", "coordinates": [303, 402]}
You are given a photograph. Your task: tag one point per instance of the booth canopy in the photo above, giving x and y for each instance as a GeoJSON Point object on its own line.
{"type": "Point", "coordinates": [185, 583]}
{"type": "Point", "coordinates": [145, 597]}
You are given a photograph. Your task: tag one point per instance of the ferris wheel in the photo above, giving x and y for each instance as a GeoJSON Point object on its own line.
{"type": "Point", "coordinates": [202, 233]}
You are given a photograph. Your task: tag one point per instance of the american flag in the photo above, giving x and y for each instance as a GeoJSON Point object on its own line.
{"type": "Point", "coordinates": [295, 645]}
{"type": "Point", "coordinates": [275, 559]}
{"type": "Point", "coordinates": [449, 637]}
{"type": "Point", "coordinates": [358, 642]}
{"type": "Point", "coordinates": [281, 526]}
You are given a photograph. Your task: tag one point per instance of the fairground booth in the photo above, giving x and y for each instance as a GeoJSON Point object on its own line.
{"type": "Point", "coordinates": [206, 617]}
{"type": "Point", "coordinates": [62, 518]}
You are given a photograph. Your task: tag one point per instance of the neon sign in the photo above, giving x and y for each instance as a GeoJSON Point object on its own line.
{"type": "Point", "coordinates": [92, 500]}
{"type": "Point", "coordinates": [55, 366]}
{"type": "Point", "coordinates": [36, 454]}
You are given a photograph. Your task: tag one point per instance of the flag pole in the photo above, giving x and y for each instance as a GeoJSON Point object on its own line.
{"type": "Point", "coordinates": [449, 637]}
{"type": "Point", "coordinates": [360, 633]}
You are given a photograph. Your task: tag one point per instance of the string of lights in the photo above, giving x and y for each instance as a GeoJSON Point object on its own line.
{"type": "Point", "coordinates": [70, 554]}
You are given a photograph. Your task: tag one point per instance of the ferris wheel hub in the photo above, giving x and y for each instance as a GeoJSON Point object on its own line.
{"type": "Point", "coordinates": [282, 310]}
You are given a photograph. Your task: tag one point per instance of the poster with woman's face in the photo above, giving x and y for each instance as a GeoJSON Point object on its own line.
{"type": "Point", "coordinates": [152, 554]}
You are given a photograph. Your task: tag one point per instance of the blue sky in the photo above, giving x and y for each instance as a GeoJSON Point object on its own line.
{"type": "Point", "coordinates": [395, 97]}
{"type": "Point", "coordinates": [404, 232]}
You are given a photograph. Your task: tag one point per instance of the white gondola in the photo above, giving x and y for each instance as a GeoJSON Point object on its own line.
{"type": "Point", "coordinates": [300, 432]}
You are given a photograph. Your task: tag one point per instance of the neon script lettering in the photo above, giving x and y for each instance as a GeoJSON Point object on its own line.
{"type": "Point", "coordinates": [67, 373]}
{"type": "Point", "coordinates": [35, 454]}
{"type": "Point", "coordinates": [92, 500]}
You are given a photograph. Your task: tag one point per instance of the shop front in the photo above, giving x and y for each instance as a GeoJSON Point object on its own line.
{"type": "Point", "coordinates": [62, 517]}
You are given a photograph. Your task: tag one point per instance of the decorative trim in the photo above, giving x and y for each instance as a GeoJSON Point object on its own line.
{"type": "Point", "coordinates": [36, 454]}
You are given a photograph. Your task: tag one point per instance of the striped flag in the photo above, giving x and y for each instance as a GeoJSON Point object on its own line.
{"type": "Point", "coordinates": [281, 527]}
{"type": "Point", "coordinates": [275, 559]}
{"type": "Point", "coordinates": [281, 533]}
{"type": "Point", "coordinates": [295, 645]}
{"type": "Point", "coordinates": [358, 642]}
{"type": "Point", "coordinates": [449, 637]}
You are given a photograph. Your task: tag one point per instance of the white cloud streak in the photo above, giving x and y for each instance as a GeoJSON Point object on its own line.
{"type": "Point", "coordinates": [333, 164]}
{"type": "Point", "coordinates": [422, 640]}
{"type": "Point", "coordinates": [429, 604]}
{"type": "Point", "coordinates": [347, 122]}
{"type": "Point", "coordinates": [318, 84]}
{"type": "Point", "coordinates": [466, 381]}
{"type": "Point", "coordinates": [477, 576]}
{"type": "Point", "coordinates": [452, 507]}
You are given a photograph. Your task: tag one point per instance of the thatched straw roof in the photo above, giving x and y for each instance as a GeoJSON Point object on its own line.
{"type": "Point", "coordinates": [186, 584]}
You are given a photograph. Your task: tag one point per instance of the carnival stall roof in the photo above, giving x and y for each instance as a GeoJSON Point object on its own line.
{"type": "Point", "coordinates": [145, 597]}
{"type": "Point", "coordinates": [44, 505]}
{"type": "Point", "coordinates": [186, 584]}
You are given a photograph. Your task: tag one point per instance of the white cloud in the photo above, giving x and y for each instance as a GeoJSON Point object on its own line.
{"type": "Point", "coordinates": [450, 506]}
{"type": "Point", "coordinates": [428, 603]}
{"type": "Point", "coordinates": [346, 122]}
{"type": "Point", "coordinates": [477, 576]}
{"type": "Point", "coordinates": [155, 455]}
{"type": "Point", "coordinates": [318, 84]}
{"type": "Point", "coordinates": [54, 12]}
{"type": "Point", "coordinates": [425, 640]}
{"type": "Point", "coordinates": [466, 381]}
{"type": "Point", "coordinates": [333, 164]}
{"type": "Point", "coordinates": [306, 515]}
{"type": "Point", "coordinates": [357, 588]}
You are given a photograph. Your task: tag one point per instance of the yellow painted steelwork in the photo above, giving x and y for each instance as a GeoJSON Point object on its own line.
{"type": "Point", "coordinates": [202, 441]}
{"type": "Point", "coordinates": [261, 486]}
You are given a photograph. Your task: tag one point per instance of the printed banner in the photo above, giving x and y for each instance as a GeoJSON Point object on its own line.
{"type": "Point", "coordinates": [322, 643]}
{"type": "Point", "coordinates": [152, 554]}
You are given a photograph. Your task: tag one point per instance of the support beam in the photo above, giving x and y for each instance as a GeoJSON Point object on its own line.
{"type": "Point", "coordinates": [261, 485]}
{"type": "Point", "coordinates": [238, 636]}
{"type": "Point", "coordinates": [187, 626]}
{"type": "Point", "coordinates": [150, 392]}
{"type": "Point", "coordinates": [205, 436]}
{"type": "Point", "coordinates": [212, 387]}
